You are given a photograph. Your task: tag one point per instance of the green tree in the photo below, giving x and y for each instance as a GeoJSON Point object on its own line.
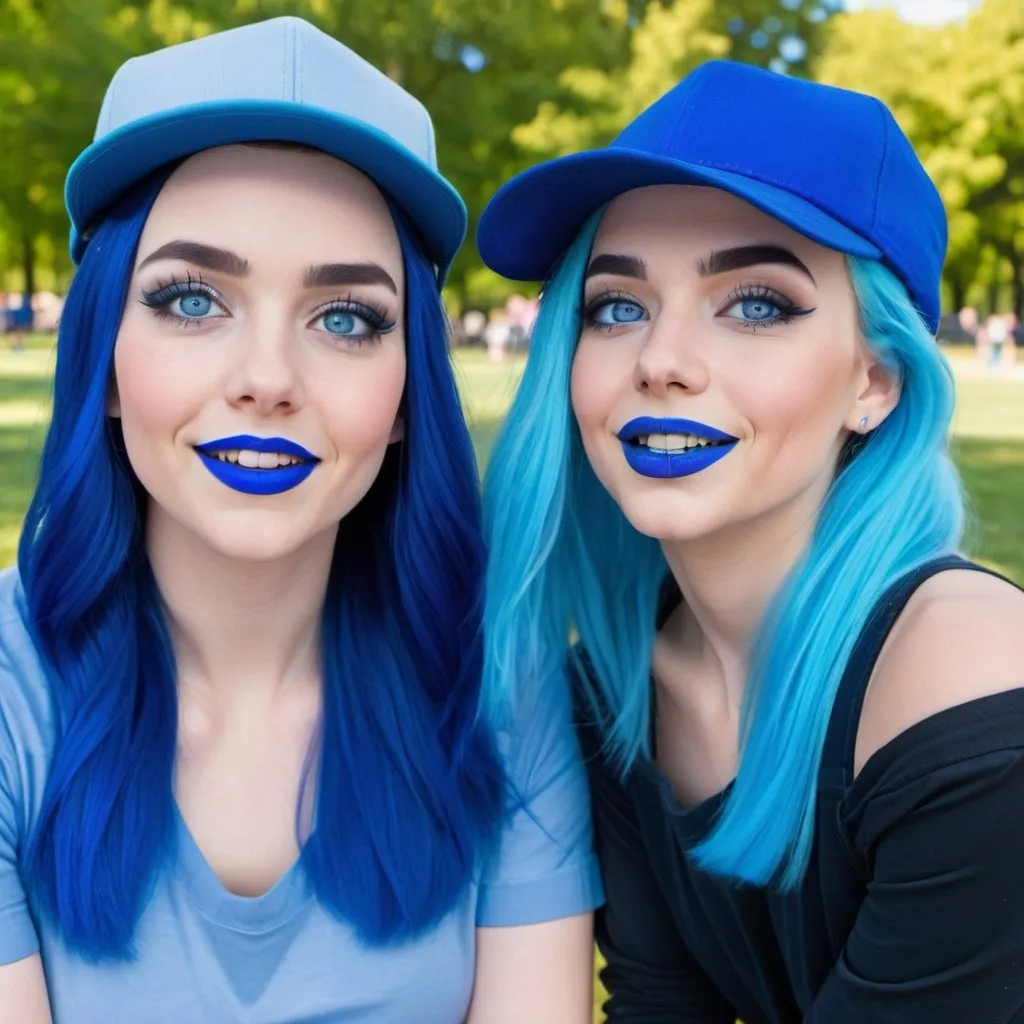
{"type": "Point", "coordinates": [670, 41]}
{"type": "Point", "coordinates": [993, 40]}
{"type": "Point", "coordinates": [958, 92]}
{"type": "Point", "coordinates": [780, 34]}
{"type": "Point", "coordinates": [479, 68]}
{"type": "Point", "coordinates": [57, 57]}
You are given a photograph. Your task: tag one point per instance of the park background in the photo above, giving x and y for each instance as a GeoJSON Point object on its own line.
{"type": "Point", "coordinates": [511, 82]}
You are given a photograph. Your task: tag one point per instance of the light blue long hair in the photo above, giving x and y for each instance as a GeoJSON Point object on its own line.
{"type": "Point", "coordinates": [563, 558]}
{"type": "Point", "coordinates": [402, 651]}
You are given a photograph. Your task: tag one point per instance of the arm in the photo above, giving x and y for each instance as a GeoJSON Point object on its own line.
{"type": "Point", "coordinates": [23, 998]}
{"type": "Point", "coordinates": [940, 935]}
{"type": "Point", "coordinates": [651, 976]}
{"type": "Point", "coordinates": [535, 951]}
{"type": "Point", "coordinates": [542, 973]}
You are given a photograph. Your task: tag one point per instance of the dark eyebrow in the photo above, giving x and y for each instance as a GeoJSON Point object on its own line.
{"type": "Point", "coordinates": [227, 262]}
{"type": "Point", "coordinates": [724, 260]}
{"type": "Point", "coordinates": [615, 263]}
{"type": "Point", "coordinates": [334, 274]}
{"type": "Point", "coordinates": [221, 260]}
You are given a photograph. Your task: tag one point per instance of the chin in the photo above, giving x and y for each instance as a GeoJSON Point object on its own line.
{"type": "Point", "coordinates": [256, 548]}
{"type": "Point", "coordinates": [254, 536]}
{"type": "Point", "coordinates": [671, 521]}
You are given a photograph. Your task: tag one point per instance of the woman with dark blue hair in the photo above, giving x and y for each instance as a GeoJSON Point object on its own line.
{"type": "Point", "coordinates": [726, 471]}
{"type": "Point", "coordinates": [245, 773]}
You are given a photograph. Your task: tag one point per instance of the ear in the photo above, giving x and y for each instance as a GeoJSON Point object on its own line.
{"type": "Point", "coordinates": [113, 400]}
{"type": "Point", "coordinates": [397, 430]}
{"type": "Point", "coordinates": [879, 394]}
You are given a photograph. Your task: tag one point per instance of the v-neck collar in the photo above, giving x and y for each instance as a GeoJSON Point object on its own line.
{"type": "Point", "coordinates": [286, 898]}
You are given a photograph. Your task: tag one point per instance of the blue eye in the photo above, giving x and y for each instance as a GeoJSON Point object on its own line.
{"type": "Point", "coordinates": [354, 322]}
{"type": "Point", "coordinates": [194, 305]}
{"type": "Point", "coordinates": [340, 322]}
{"type": "Point", "coordinates": [186, 302]}
{"type": "Point", "coordinates": [612, 313]}
{"type": "Point", "coordinates": [760, 306]}
{"type": "Point", "coordinates": [758, 310]}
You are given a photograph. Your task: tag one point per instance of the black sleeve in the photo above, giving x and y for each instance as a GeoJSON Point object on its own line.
{"type": "Point", "coordinates": [940, 935]}
{"type": "Point", "coordinates": [651, 977]}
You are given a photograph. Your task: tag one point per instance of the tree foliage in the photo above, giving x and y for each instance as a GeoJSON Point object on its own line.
{"type": "Point", "coordinates": [958, 92]}
{"type": "Point", "coordinates": [509, 82]}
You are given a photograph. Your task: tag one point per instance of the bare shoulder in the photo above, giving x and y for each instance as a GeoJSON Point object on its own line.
{"type": "Point", "coordinates": [960, 637]}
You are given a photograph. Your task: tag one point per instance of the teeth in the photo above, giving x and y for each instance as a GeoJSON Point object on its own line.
{"type": "Point", "coordinates": [257, 460]}
{"type": "Point", "coordinates": [673, 442]}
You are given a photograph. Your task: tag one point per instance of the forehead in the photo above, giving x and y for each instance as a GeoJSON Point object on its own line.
{"type": "Point", "coordinates": [275, 206]}
{"type": "Point", "coordinates": [697, 217]}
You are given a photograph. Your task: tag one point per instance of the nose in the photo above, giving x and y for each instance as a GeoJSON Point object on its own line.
{"type": "Point", "coordinates": [672, 358]}
{"type": "Point", "coordinates": [266, 376]}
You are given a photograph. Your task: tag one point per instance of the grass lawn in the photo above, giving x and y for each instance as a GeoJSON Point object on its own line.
{"type": "Point", "coordinates": [988, 441]}
{"type": "Point", "coordinates": [988, 446]}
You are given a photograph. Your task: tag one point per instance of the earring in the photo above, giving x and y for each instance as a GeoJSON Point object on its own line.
{"type": "Point", "coordinates": [863, 424]}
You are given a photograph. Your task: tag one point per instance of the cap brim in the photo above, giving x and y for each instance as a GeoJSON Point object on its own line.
{"type": "Point", "coordinates": [115, 162]}
{"type": "Point", "coordinates": [534, 218]}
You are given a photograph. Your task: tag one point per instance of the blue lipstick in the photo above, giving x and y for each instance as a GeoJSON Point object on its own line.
{"type": "Point", "coordinates": [664, 464]}
{"type": "Point", "coordinates": [257, 481]}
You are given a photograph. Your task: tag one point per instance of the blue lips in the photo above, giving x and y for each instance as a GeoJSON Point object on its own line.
{"type": "Point", "coordinates": [668, 465]}
{"type": "Point", "coordinates": [257, 481]}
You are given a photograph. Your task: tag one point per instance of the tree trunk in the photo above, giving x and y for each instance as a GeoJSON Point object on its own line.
{"type": "Point", "coordinates": [28, 265]}
{"type": "Point", "coordinates": [1017, 263]}
{"type": "Point", "coordinates": [993, 297]}
{"type": "Point", "coordinates": [957, 291]}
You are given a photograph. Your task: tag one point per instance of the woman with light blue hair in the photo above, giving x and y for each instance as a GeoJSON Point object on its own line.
{"type": "Point", "coordinates": [726, 472]}
{"type": "Point", "coordinates": [244, 770]}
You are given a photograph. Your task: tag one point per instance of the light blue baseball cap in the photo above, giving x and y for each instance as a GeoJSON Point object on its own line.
{"type": "Point", "coordinates": [280, 80]}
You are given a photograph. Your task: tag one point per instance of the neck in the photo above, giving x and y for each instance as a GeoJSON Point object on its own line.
{"type": "Point", "coordinates": [728, 581]}
{"type": "Point", "coordinates": [240, 629]}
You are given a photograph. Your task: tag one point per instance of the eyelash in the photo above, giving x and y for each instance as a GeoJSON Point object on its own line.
{"type": "Point", "coordinates": [789, 310]}
{"type": "Point", "coordinates": [376, 317]}
{"type": "Point", "coordinates": [160, 298]}
{"type": "Point", "coordinates": [604, 299]}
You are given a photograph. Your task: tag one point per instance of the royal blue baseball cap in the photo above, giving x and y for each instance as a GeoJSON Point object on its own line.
{"type": "Point", "coordinates": [279, 80]}
{"type": "Point", "coordinates": [831, 163]}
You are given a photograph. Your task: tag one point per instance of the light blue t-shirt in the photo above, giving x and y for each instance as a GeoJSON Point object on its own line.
{"type": "Point", "coordinates": [207, 955]}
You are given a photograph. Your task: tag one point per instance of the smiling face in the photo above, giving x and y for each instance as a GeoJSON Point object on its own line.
{"type": "Point", "coordinates": [720, 368]}
{"type": "Point", "coordinates": [260, 361]}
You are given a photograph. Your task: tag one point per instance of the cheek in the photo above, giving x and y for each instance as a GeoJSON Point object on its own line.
{"type": "Point", "coordinates": [158, 385]}
{"type": "Point", "coordinates": [796, 406]}
{"type": "Point", "coordinates": [599, 383]}
{"type": "Point", "coordinates": [596, 385]}
{"type": "Point", "coordinates": [360, 402]}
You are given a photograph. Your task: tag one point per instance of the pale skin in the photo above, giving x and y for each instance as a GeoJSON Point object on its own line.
{"type": "Point", "coordinates": [685, 344]}
{"type": "Point", "coordinates": [244, 577]}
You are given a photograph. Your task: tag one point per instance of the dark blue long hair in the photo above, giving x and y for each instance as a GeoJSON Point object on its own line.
{"type": "Point", "coordinates": [409, 791]}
